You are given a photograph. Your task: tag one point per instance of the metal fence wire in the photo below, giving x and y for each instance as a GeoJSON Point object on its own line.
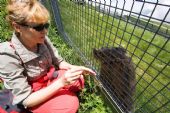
{"type": "Point", "coordinates": [127, 43]}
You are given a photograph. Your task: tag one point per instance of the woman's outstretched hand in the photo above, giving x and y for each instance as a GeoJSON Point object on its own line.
{"type": "Point", "coordinates": [75, 73]}
{"type": "Point", "coordinates": [84, 70]}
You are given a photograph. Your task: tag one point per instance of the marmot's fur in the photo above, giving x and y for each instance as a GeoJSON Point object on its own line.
{"type": "Point", "coordinates": [117, 74]}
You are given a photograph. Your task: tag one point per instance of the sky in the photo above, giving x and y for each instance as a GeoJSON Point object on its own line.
{"type": "Point", "coordinates": [159, 12]}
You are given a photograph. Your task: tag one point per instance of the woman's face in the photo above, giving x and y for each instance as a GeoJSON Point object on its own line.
{"type": "Point", "coordinates": [33, 33]}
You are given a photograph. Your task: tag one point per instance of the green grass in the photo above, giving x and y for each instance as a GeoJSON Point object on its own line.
{"type": "Point", "coordinates": [89, 29]}
{"type": "Point", "coordinates": [4, 26]}
{"type": "Point", "coordinates": [5, 31]}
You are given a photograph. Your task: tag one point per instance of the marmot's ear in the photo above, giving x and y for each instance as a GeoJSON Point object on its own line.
{"type": "Point", "coordinates": [94, 51]}
{"type": "Point", "coordinates": [102, 48]}
{"type": "Point", "coordinates": [113, 50]}
{"type": "Point", "coordinates": [121, 49]}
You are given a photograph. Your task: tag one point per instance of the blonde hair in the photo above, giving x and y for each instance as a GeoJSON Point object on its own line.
{"type": "Point", "coordinates": [23, 11]}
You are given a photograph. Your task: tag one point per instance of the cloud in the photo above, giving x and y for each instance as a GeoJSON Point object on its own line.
{"type": "Point", "coordinates": [147, 9]}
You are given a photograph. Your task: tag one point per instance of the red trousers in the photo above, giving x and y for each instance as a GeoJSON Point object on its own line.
{"type": "Point", "coordinates": [64, 101]}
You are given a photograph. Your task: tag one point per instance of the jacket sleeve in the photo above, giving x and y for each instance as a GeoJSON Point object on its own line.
{"type": "Point", "coordinates": [56, 58]}
{"type": "Point", "coordinates": [11, 72]}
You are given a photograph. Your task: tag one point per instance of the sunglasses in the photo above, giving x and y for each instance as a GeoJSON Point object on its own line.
{"type": "Point", "coordinates": [39, 27]}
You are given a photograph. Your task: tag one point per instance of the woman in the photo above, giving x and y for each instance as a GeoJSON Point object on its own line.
{"type": "Point", "coordinates": [31, 67]}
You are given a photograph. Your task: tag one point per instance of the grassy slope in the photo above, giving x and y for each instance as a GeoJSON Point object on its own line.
{"type": "Point", "coordinates": [88, 30]}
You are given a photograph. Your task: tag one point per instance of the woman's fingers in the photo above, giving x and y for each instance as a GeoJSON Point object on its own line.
{"type": "Point", "coordinates": [84, 70]}
{"type": "Point", "coordinates": [71, 77]}
{"type": "Point", "coordinates": [71, 73]}
{"type": "Point", "coordinates": [75, 73]}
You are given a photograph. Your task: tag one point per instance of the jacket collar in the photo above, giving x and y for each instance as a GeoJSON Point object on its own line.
{"type": "Point", "coordinates": [22, 51]}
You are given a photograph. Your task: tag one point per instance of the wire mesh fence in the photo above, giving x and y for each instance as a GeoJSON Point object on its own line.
{"type": "Point", "coordinates": [127, 43]}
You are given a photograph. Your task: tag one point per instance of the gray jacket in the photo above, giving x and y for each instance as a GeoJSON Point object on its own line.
{"type": "Point", "coordinates": [15, 75]}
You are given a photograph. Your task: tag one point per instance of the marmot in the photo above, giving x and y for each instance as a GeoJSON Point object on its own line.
{"type": "Point", "coordinates": [117, 73]}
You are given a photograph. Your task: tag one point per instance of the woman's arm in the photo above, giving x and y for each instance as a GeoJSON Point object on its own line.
{"type": "Point", "coordinates": [44, 94]}
{"type": "Point", "coordinates": [65, 65]}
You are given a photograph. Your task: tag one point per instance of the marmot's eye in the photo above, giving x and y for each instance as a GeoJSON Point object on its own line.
{"type": "Point", "coordinates": [117, 60]}
{"type": "Point", "coordinates": [111, 62]}
{"type": "Point", "coordinates": [101, 54]}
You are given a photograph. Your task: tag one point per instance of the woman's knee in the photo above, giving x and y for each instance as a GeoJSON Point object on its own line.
{"type": "Point", "coordinates": [67, 99]}
{"type": "Point", "coordinates": [63, 102]}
